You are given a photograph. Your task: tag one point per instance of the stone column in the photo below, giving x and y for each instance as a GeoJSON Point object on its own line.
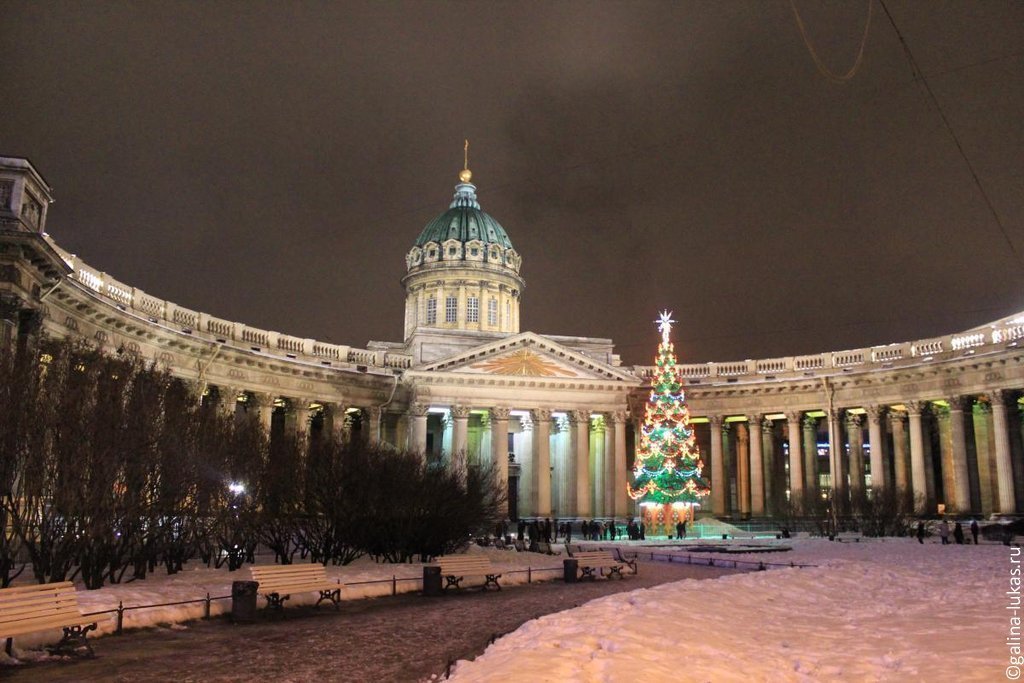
{"type": "Point", "coordinates": [373, 424]}
{"type": "Point", "coordinates": [1004, 463]}
{"type": "Point", "coordinates": [460, 426]}
{"type": "Point", "coordinates": [987, 481]}
{"type": "Point", "coordinates": [879, 474]}
{"type": "Point", "coordinates": [855, 437]}
{"type": "Point", "coordinates": [227, 401]}
{"type": "Point", "coordinates": [743, 468]}
{"type": "Point", "coordinates": [418, 431]}
{"type": "Point", "coordinates": [265, 406]}
{"type": "Point", "coordinates": [810, 453]}
{"type": "Point", "coordinates": [835, 460]}
{"type": "Point", "coordinates": [499, 448]}
{"type": "Point", "coordinates": [579, 463]}
{"type": "Point", "coordinates": [541, 502]}
{"type": "Point", "coordinates": [756, 466]}
{"type": "Point", "coordinates": [958, 447]}
{"type": "Point", "coordinates": [770, 480]}
{"type": "Point", "coordinates": [334, 421]}
{"type": "Point", "coordinates": [597, 440]}
{"type": "Point", "coordinates": [796, 469]}
{"type": "Point", "coordinates": [918, 473]}
{"type": "Point", "coordinates": [610, 472]}
{"type": "Point", "coordinates": [621, 475]}
{"type": "Point", "coordinates": [718, 487]}
{"type": "Point", "coordinates": [900, 460]}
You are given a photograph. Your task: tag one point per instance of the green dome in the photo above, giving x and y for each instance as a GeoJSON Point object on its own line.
{"type": "Point", "coordinates": [464, 221]}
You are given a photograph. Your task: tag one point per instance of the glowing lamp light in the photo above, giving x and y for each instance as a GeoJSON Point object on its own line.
{"type": "Point", "coordinates": [236, 488]}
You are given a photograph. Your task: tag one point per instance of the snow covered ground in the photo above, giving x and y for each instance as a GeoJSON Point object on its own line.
{"type": "Point", "coordinates": [874, 610]}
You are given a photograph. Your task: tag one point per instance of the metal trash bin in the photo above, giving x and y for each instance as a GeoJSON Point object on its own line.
{"type": "Point", "coordinates": [243, 601]}
{"type": "Point", "coordinates": [569, 569]}
{"type": "Point", "coordinates": [432, 581]}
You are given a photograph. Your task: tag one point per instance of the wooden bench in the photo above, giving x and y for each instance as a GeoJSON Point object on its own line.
{"type": "Point", "coordinates": [27, 609]}
{"type": "Point", "coordinates": [278, 582]}
{"type": "Point", "coordinates": [588, 561]}
{"type": "Point", "coordinates": [455, 568]}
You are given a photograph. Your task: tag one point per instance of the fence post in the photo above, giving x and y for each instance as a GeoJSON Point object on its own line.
{"type": "Point", "coordinates": [529, 574]}
{"type": "Point", "coordinates": [120, 617]}
{"type": "Point", "coordinates": [394, 585]}
{"type": "Point", "coordinates": [206, 610]}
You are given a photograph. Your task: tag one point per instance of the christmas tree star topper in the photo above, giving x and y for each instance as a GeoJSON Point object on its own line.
{"type": "Point", "coordinates": [665, 324]}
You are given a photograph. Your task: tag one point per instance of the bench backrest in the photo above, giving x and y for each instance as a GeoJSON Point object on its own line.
{"type": "Point", "coordinates": [35, 608]}
{"type": "Point", "coordinates": [594, 556]}
{"type": "Point", "coordinates": [463, 563]}
{"type": "Point", "coordinates": [272, 576]}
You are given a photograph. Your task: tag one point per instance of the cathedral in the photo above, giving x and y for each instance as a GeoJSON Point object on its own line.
{"type": "Point", "coordinates": [555, 415]}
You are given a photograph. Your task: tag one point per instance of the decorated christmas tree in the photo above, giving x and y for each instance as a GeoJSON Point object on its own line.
{"type": "Point", "coordinates": [667, 469]}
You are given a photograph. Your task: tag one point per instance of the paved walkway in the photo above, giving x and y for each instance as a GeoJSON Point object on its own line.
{"type": "Point", "coordinates": [402, 638]}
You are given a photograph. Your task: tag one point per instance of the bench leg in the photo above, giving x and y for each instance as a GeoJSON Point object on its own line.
{"type": "Point", "coordinates": [452, 581]}
{"type": "Point", "coordinates": [275, 601]}
{"type": "Point", "coordinates": [334, 596]}
{"type": "Point", "coordinates": [492, 579]}
{"type": "Point", "coordinates": [74, 638]}
{"type": "Point", "coordinates": [9, 647]}
{"type": "Point", "coordinates": [588, 573]}
{"type": "Point", "coordinates": [614, 571]}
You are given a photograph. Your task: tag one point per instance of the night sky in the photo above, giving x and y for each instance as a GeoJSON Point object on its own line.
{"type": "Point", "coordinates": [271, 163]}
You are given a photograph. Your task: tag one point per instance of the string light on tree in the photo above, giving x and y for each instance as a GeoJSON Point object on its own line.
{"type": "Point", "coordinates": [668, 465]}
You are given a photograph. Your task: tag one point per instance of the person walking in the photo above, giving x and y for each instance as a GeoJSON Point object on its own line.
{"type": "Point", "coordinates": [958, 534]}
{"type": "Point", "coordinates": [643, 532]}
{"type": "Point", "coordinates": [944, 532]}
{"type": "Point", "coordinates": [974, 530]}
{"type": "Point", "coordinates": [920, 532]}
{"type": "Point", "coordinates": [684, 529]}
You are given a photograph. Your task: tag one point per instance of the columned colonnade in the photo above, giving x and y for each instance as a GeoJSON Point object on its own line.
{"type": "Point", "coordinates": [961, 451]}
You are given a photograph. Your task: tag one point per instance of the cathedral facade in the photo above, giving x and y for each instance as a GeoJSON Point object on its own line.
{"type": "Point", "coordinates": [556, 415]}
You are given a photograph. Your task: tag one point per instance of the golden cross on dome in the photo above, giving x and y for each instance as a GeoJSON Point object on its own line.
{"type": "Point", "coordinates": [665, 324]}
{"type": "Point", "coordinates": [465, 175]}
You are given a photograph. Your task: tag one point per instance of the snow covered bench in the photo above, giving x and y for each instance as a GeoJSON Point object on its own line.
{"type": "Point", "coordinates": [278, 582]}
{"type": "Point", "coordinates": [455, 568]}
{"type": "Point", "coordinates": [589, 561]}
{"type": "Point", "coordinates": [44, 607]}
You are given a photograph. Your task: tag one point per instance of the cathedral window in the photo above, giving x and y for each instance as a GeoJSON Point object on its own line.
{"type": "Point", "coordinates": [473, 310]}
{"type": "Point", "coordinates": [492, 312]}
{"type": "Point", "coordinates": [451, 309]}
{"type": "Point", "coordinates": [431, 311]}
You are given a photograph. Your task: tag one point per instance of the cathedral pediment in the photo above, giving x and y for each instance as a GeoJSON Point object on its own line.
{"type": "Point", "coordinates": [528, 355]}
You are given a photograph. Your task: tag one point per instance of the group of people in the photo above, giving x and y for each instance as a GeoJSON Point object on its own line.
{"type": "Point", "coordinates": [592, 530]}
{"type": "Point", "coordinates": [958, 532]}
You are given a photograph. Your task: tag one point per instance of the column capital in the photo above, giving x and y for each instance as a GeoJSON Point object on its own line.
{"type": "Point", "coordinates": [262, 399]}
{"type": "Point", "coordinates": [915, 408]}
{"type": "Point", "coordinates": [418, 409]}
{"type": "Point", "coordinates": [853, 420]}
{"type": "Point", "coordinates": [500, 413]}
{"type": "Point", "coordinates": [793, 417]}
{"type": "Point", "coordinates": [874, 413]}
{"type": "Point", "coordinates": [460, 412]}
{"type": "Point", "coordinates": [579, 416]}
{"type": "Point", "coordinates": [540, 414]}
{"type": "Point", "coordinates": [753, 419]}
{"type": "Point", "coordinates": [618, 417]}
{"type": "Point", "coordinates": [958, 402]}
{"type": "Point", "coordinates": [715, 421]}
{"type": "Point", "coordinates": [997, 397]}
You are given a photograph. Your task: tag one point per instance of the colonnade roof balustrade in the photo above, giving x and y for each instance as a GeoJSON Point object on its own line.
{"type": "Point", "coordinates": [168, 314]}
{"type": "Point", "coordinates": [979, 341]}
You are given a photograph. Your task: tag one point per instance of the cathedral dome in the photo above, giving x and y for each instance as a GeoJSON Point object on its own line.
{"type": "Point", "coordinates": [464, 221]}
